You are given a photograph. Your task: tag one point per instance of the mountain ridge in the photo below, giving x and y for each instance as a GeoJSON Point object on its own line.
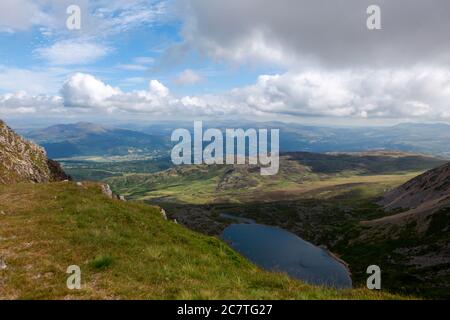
{"type": "Point", "coordinates": [79, 139]}
{"type": "Point", "coordinates": [419, 197]}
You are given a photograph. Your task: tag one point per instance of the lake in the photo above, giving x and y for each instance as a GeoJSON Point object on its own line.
{"type": "Point", "coordinates": [275, 249]}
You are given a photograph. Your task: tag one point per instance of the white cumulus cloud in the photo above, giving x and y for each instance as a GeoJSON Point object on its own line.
{"type": "Point", "coordinates": [85, 91]}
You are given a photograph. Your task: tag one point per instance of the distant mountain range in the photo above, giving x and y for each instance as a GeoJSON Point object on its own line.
{"type": "Point", "coordinates": [408, 137]}
{"type": "Point", "coordinates": [88, 139]}
{"type": "Point", "coordinates": [424, 138]}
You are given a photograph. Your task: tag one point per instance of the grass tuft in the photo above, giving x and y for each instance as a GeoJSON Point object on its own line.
{"type": "Point", "coordinates": [102, 262]}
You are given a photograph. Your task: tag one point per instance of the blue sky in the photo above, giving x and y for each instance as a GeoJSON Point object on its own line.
{"type": "Point", "coordinates": [133, 58]}
{"type": "Point", "coordinates": [288, 60]}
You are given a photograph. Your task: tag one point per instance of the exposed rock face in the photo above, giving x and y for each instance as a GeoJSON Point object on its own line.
{"type": "Point", "coordinates": [24, 161]}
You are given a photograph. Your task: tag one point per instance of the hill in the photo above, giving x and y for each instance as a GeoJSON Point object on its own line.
{"type": "Point", "coordinates": [24, 161]}
{"type": "Point", "coordinates": [428, 191]}
{"type": "Point", "coordinates": [125, 251]}
{"type": "Point", "coordinates": [373, 162]}
{"type": "Point", "coordinates": [62, 132]}
{"type": "Point", "coordinates": [299, 172]}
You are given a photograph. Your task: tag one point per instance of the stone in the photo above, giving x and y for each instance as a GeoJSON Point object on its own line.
{"type": "Point", "coordinates": [3, 265]}
{"type": "Point", "coordinates": [106, 189]}
{"type": "Point", "coordinates": [163, 214]}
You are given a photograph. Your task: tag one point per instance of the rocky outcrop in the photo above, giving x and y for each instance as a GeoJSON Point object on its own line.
{"type": "Point", "coordinates": [24, 161]}
{"type": "Point", "coordinates": [3, 265]}
{"type": "Point", "coordinates": [163, 214]}
{"type": "Point", "coordinates": [106, 190]}
{"type": "Point", "coordinates": [57, 173]}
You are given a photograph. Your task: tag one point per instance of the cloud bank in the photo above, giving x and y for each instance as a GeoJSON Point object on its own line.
{"type": "Point", "coordinates": [401, 94]}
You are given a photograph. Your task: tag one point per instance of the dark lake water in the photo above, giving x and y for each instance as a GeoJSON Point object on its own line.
{"type": "Point", "coordinates": [276, 249]}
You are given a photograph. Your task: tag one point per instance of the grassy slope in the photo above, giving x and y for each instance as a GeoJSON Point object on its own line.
{"type": "Point", "coordinates": [125, 250]}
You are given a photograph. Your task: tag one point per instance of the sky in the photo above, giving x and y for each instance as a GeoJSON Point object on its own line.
{"type": "Point", "coordinates": [286, 60]}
